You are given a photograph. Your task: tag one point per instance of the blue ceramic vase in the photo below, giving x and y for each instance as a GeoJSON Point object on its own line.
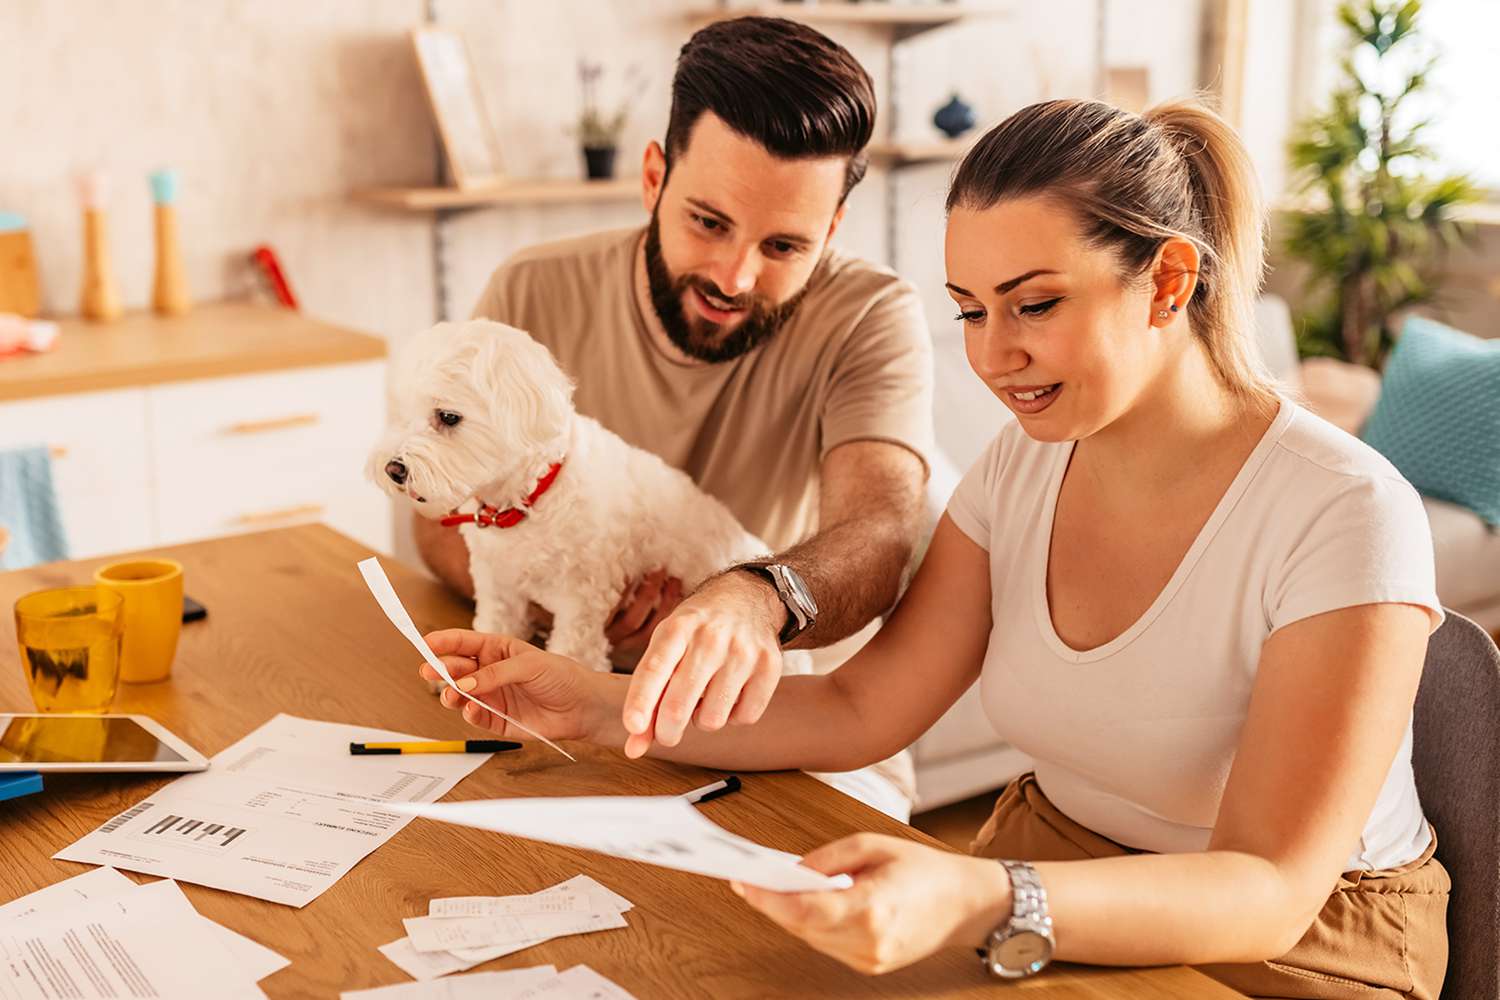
{"type": "Point", "coordinates": [954, 118]}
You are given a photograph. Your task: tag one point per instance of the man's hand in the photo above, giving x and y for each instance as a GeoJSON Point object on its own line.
{"type": "Point", "coordinates": [714, 660]}
{"type": "Point", "coordinates": [644, 605]}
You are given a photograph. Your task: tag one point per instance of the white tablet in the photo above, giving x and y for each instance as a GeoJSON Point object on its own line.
{"type": "Point", "coordinates": [52, 743]}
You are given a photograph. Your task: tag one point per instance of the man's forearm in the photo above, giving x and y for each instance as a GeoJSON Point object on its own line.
{"type": "Point", "coordinates": [853, 569]}
{"type": "Point", "coordinates": [445, 552]}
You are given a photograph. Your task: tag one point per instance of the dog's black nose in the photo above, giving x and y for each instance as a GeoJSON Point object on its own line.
{"type": "Point", "coordinates": [397, 471]}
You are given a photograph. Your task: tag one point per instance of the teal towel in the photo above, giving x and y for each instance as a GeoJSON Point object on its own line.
{"type": "Point", "coordinates": [28, 509]}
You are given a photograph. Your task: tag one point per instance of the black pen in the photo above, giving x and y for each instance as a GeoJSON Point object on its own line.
{"type": "Point", "coordinates": [718, 788]}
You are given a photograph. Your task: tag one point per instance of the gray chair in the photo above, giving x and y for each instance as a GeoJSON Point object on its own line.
{"type": "Point", "coordinates": [1456, 757]}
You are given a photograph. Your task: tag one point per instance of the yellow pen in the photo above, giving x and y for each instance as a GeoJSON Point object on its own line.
{"type": "Point", "coordinates": [434, 746]}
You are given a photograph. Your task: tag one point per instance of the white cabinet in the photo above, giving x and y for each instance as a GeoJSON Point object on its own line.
{"type": "Point", "coordinates": [268, 450]}
{"type": "Point", "coordinates": [182, 461]}
{"type": "Point", "coordinates": [101, 465]}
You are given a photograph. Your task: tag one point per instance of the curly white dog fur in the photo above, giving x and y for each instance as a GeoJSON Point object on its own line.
{"type": "Point", "coordinates": [479, 412]}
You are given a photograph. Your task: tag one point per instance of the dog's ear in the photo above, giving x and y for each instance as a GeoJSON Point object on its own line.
{"type": "Point", "coordinates": [529, 394]}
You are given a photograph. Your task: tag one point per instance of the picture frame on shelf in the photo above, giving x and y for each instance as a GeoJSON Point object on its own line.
{"type": "Point", "coordinates": [457, 108]}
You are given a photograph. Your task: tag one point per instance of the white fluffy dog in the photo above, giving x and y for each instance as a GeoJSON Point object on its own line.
{"type": "Point", "coordinates": [480, 417]}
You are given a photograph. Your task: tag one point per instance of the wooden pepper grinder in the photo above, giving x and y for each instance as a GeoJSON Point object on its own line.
{"type": "Point", "coordinates": [169, 295]}
{"type": "Point", "coordinates": [99, 300]}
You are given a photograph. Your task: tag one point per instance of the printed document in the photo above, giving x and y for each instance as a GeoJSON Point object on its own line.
{"type": "Point", "coordinates": [145, 943]}
{"type": "Point", "coordinates": [663, 830]}
{"type": "Point", "coordinates": [280, 815]}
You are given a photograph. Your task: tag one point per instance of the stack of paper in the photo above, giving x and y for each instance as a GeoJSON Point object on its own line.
{"type": "Point", "coordinates": [280, 815]}
{"type": "Point", "coordinates": [541, 982]}
{"type": "Point", "coordinates": [459, 933]}
{"type": "Point", "coordinates": [101, 935]}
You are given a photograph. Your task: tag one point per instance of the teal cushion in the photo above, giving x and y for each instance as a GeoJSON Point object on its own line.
{"type": "Point", "coordinates": [1438, 418]}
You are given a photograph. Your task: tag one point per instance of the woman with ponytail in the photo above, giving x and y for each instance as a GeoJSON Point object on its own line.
{"type": "Point", "coordinates": [1200, 609]}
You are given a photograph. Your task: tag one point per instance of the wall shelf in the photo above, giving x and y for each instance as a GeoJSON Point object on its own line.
{"type": "Point", "coordinates": [520, 192]}
{"type": "Point", "coordinates": [903, 21]}
{"type": "Point", "coordinates": [900, 154]}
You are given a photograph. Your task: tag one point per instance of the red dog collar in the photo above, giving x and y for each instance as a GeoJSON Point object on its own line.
{"type": "Point", "coordinates": [489, 516]}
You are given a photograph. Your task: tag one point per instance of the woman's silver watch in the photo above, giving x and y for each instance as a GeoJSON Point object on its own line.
{"type": "Point", "coordinates": [1022, 945]}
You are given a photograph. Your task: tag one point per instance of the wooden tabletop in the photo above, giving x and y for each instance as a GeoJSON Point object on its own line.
{"type": "Point", "coordinates": [215, 339]}
{"type": "Point", "coordinates": [291, 628]}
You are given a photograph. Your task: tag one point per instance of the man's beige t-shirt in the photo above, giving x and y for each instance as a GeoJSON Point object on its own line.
{"type": "Point", "coordinates": [854, 362]}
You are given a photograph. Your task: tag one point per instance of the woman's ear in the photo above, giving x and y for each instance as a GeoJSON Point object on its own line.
{"type": "Point", "coordinates": [1174, 277]}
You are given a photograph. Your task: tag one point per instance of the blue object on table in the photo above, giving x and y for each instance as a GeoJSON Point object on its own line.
{"type": "Point", "coordinates": [14, 784]}
{"type": "Point", "coordinates": [28, 509]}
{"type": "Point", "coordinates": [1438, 417]}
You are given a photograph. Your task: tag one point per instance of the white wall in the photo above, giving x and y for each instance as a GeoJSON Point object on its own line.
{"type": "Point", "coordinates": [270, 111]}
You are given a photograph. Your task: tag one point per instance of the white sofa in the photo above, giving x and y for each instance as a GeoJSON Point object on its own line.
{"type": "Point", "coordinates": [961, 755]}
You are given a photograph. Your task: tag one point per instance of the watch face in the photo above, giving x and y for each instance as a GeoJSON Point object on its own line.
{"type": "Point", "coordinates": [799, 589]}
{"type": "Point", "coordinates": [1023, 953]}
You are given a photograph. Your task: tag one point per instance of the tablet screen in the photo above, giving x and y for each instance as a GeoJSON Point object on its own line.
{"type": "Point", "coordinates": [79, 739]}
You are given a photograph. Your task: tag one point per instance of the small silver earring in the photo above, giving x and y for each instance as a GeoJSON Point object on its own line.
{"type": "Point", "coordinates": [1162, 314]}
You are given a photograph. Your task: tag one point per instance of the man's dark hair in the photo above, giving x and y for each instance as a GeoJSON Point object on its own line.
{"type": "Point", "coordinates": [791, 89]}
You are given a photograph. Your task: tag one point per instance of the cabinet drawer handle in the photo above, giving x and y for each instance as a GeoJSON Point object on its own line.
{"type": "Point", "coordinates": [278, 424]}
{"type": "Point", "coordinates": [58, 452]}
{"type": "Point", "coordinates": [261, 517]}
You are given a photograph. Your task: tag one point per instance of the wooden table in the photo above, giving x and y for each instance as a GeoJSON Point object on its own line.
{"type": "Point", "coordinates": [291, 628]}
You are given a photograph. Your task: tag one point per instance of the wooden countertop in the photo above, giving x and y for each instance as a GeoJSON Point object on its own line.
{"type": "Point", "coordinates": [215, 339]}
{"type": "Point", "coordinates": [291, 628]}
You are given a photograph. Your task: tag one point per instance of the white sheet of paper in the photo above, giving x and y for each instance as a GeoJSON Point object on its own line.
{"type": "Point", "coordinates": [476, 986]}
{"type": "Point", "coordinates": [453, 933]}
{"type": "Point", "coordinates": [254, 959]}
{"type": "Point", "coordinates": [510, 906]}
{"type": "Point", "coordinates": [663, 830]}
{"type": "Point", "coordinates": [148, 942]}
{"type": "Point", "coordinates": [428, 965]}
{"type": "Point", "coordinates": [280, 815]}
{"type": "Point", "coordinates": [578, 983]}
{"type": "Point", "coordinates": [385, 596]}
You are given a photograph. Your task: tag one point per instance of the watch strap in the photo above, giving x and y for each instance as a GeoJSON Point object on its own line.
{"type": "Point", "coordinates": [797, 620]}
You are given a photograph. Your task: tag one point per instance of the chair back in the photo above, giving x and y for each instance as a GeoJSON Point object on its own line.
{"type": "Point", "coordinates": [1456, 757]}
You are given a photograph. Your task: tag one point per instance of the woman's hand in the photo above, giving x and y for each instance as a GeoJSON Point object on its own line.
{"type": "Point", "coordinates": [552, 695]}
{"type": "Point", "coordinates": [908, 900]}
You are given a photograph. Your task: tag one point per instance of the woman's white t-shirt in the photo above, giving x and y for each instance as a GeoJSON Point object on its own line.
{"type": "Point", "coordinates": [1134, 739]}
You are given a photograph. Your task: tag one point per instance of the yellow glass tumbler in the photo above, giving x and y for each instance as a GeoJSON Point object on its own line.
{"type": "Point", "coordinates": [70, 647]}
{"type": "Point", "coordinates": [152, 592]}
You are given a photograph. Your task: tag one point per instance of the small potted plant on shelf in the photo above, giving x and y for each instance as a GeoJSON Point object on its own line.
{"type": "Point", "coordinates": [599, 130]}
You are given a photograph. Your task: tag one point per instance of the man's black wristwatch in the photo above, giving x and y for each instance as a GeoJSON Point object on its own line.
{"type": "Point", "coordinates": [801, 609]}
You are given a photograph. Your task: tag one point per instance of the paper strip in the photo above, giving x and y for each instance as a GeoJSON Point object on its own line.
{"type": "Point", "coordinates": [511, 906]}
{"type": "Point", "coordinates": [385, 596]}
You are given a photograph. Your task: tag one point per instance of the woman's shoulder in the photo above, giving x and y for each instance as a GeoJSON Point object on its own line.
{"type": "Point", "coordinates": [1325, 467]}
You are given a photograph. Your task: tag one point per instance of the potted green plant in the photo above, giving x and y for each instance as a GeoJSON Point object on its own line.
{"type": "Point", "coordinates": [598, 130]}
{"type": "Point", "coordinates": [1373, 217]}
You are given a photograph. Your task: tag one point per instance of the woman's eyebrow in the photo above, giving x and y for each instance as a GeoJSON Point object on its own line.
{"type": "Point", "coordinates": [1004, 286]}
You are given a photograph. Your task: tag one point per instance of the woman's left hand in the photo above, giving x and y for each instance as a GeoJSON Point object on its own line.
{"type": "Point", "coordinates": [907, 901]}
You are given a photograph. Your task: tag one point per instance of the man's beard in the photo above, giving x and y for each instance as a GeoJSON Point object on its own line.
{"type": "Point", "coordinates": [697, 337]}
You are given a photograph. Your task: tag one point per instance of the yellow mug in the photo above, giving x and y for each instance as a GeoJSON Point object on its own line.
{"type": "Point", "coordinates": [152, 591]}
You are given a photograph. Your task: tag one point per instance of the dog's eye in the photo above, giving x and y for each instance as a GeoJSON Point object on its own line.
{"type": "Point", "coordinates": [448, 418]}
